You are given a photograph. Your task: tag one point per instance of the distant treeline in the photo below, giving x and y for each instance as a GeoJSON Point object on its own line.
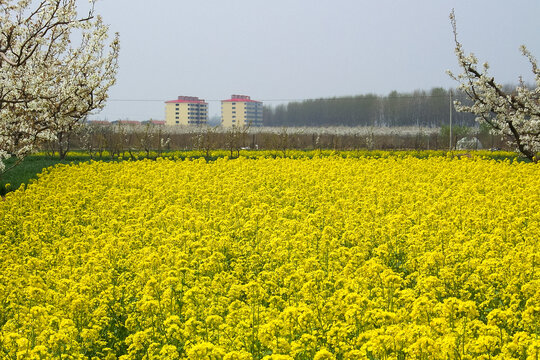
{"type": "Point", "coordinates": [419, 108]}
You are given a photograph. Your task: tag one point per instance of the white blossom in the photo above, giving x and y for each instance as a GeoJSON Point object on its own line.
{"type": "Point", "coordinates": [515, 115]}
{"type": "Point", "coordinates": [48, 80]}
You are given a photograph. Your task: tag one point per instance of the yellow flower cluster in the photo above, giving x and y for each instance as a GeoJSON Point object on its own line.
{"type": "Point", "coordinates": [274, 259]}
{"type": "Point", "coordinates": [195, 154]}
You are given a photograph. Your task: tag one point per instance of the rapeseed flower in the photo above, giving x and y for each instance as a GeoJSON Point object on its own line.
{"type": "Point", "coordinates": [273, 258]}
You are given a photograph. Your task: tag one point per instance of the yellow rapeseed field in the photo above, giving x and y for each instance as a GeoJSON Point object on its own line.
{"type": "Point", "coordinates": [323, 258]}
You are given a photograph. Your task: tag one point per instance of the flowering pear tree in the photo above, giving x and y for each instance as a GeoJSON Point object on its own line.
{"type": "Point", "coordinates": [55, 68]}
{"type": "Point", "coordinates": [514, 115]}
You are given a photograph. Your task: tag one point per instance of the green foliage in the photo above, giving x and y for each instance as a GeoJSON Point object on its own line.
{"type": "Point", "coordinates": [25, 172]}
{"type": "Point", "coordinates": [419, 108]}
{"type": "Point", "coordinates": [458, 132]}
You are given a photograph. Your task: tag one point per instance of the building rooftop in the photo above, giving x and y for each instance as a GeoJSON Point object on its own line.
{"type": "Point", "coordinates": [126, 122]}
{"type": "Point", "coordinates": [186, 99]}
{"type": "Point", "coordinates": [240, 98]}
{"type": "Point", "coordinates": [154, 122]}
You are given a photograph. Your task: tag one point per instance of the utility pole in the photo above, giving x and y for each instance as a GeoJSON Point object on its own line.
{"type": "Point", "coordinates": [451, 107]}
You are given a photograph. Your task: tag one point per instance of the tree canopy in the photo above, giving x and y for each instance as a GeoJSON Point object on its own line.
{"type": "Point", "coordinates": [56, 67]}
{"type": "Point", "coordinates": [419, 108]}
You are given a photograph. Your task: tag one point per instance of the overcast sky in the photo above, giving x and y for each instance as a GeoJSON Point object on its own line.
{"type": "Point", "coordinates": [299, 49]}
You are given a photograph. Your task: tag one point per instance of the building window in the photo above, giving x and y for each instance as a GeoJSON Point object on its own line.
{"type": "Point", "coordinates": [178, 122]}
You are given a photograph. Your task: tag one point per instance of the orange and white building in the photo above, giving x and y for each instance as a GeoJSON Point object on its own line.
{"type": "Point", "coordinates": [186, 110]}
{"type": "Point", "coordinates": [240, 110]}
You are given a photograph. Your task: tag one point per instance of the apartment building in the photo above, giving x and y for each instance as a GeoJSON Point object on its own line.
{"type": "Point", "coordinates": [186, 110]}
{"type": "Point", "coordinates": [240, 110]}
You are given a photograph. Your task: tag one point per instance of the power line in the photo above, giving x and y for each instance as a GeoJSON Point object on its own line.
{"type": "Point", "coordinates": [153, 100]}
{"type": "Point", "coordinates": [337, 98]}
{"type": "Point", "coordinates": [134, 100]}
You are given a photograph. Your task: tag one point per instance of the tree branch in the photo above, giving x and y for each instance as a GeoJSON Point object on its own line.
{"type": "Point", "coordinates": [6, 59]}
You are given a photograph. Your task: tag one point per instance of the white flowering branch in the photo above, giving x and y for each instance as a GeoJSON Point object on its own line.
{"type": "Point", "coordinates": [515, 116]}
{"type": "Point", "coordinates": [48, 80]}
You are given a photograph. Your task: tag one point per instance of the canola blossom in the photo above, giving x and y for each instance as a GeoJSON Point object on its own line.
{"type": "Point", "coordinates": [323, 258]}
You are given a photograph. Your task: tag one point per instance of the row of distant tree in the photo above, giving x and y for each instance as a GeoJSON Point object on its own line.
{"type": "Point", "coordinates": [419, 108]}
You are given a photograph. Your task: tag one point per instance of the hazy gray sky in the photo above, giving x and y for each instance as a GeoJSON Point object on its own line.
{"type": "Point", "coordinates": [299, 49]}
